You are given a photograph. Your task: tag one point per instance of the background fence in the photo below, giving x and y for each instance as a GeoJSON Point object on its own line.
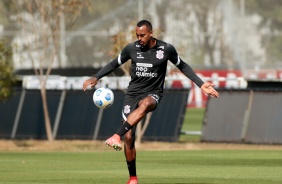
{"type": "Point", "coordinates": [244, 116]}
{"type": "Point", "coordinates": [74, 116]}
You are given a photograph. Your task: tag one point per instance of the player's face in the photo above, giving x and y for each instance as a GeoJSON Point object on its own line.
{"type": "Point", "coordinates": [143, 35]}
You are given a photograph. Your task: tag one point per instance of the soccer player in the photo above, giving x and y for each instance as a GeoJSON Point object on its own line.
{"type": "Point", "coordinates": [149, 58]}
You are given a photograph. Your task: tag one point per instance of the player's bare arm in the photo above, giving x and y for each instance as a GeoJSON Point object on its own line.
{"type": "Point", "coordinates": [207, 87]}
{"type": "Point", "coordinates": [90, 82]}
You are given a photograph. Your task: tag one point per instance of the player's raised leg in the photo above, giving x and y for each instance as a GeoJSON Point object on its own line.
{"type": "Point", "coordinates": [114, 142]}
{"type": "Point", "coordinates": [144, 106]}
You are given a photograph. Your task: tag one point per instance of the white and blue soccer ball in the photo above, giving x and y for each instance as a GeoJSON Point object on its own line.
{"type": "Point", "coordinates": [103, 98]}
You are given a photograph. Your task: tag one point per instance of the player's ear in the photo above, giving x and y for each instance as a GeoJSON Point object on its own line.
{"type": "Point", "coordinates": [151, 33]}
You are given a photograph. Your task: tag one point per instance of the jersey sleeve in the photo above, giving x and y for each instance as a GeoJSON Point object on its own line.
{"type": "Point", "coordinates": [115, 63]}
{"type": "Point", "coordinates": [184, 67]}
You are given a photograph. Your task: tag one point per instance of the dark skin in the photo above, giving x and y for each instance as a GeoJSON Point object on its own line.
{"type": "Point", "coordinates": [145, 38]}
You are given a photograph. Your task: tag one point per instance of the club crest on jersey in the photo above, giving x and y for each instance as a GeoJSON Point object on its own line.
{"type": "Point", "coordinates": [126, 109]}
{"type": "Point", "coordinates": [160, 54]}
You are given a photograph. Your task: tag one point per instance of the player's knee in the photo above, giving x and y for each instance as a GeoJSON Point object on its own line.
{"type": "Point", "coordinates": [128, 137]}
{"type": "Point", "coordinates": [147, 105]}
{"type": "Point", "coordinates": [129, 141]}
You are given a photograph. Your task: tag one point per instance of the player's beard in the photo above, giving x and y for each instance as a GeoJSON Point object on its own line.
{"type": "Point", "coordinates": [143, 44]}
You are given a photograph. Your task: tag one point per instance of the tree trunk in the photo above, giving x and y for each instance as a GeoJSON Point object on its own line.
{"type": "Point", "coordinates": [46, 115]}
{"type": "Point", "coordinates": [141, 129]}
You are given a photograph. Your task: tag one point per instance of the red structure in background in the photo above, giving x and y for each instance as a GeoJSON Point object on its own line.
{"type": "Point", "coordinates": [229, 79]}
{"type": "Point", "coordinates": [264, 74]}
{"type": "Point", "coordinates": [221, 78]}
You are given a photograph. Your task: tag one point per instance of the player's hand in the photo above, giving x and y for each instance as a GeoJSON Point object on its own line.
{"type": "Point", "coordinates": [90, 82]}
{"type": "Point", "coordinates": [207, 87]}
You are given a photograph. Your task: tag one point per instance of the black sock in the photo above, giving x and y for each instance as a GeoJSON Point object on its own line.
{"type": "Point", "coordinates": [124, 128]}
{"type": "Point", "coordinates": [131, 165]}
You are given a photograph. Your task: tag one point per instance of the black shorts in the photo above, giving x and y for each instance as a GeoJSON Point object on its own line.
{"type": "Point", "coordinates": [131, 102]}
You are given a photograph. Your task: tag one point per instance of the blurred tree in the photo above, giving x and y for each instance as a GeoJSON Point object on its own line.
{"type": "Point", "coordinates": [119, 41]}
{"type": "Point", "coordinates": [210, 29]}
{"type": "Point", "coordinates": [270, 12]}
{"type": "Point", "coordinates": [6, 24]}
{"type": "Point", "coordinates": [40, 22]}
{"type": "Point", "coordinates": [6, 71]}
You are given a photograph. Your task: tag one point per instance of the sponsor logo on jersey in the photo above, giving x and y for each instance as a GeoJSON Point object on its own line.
{"type": "Point", "coordinates": [144, 64]}
{"type": "Point", "coordinates": [160, 54]}
{"type": "Point", "coordinates": [139, 55]}
{"type": "Point", "coordinates": [142, 70]}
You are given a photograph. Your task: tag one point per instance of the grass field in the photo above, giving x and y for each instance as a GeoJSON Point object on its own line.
{"type": "Point", "coordinates": [193, 121]}
{"type": "Point", "coordinates": [167, 167]}
{"type": "Point", "coordinates": [90, 162]}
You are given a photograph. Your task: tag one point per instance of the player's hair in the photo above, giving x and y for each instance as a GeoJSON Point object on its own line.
{"type": "Point", "coordinates": [146, 23]}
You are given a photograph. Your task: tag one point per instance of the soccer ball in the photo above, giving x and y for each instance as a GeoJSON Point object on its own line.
{"type": "Point", "coordinates": [103, 98]}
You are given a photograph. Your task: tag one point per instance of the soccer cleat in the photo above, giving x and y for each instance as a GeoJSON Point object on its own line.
{"type": "Point", "coordinates": [132, 180]}
{"type": "Point", "coordinates": [114, 142]}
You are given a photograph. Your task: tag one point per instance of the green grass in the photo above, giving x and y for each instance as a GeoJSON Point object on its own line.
{"type": "Point", "coordinates": [166, 167]}
{"type": "Point", "coordinates": [193, 121]}
{"type": "Point", "coordinates": [153, 167]}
